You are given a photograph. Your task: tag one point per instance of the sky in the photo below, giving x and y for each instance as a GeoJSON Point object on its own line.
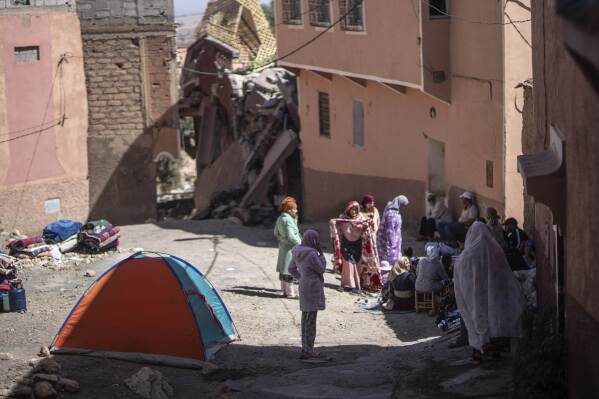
{"type": "Point", "coordinates": [183, 7]}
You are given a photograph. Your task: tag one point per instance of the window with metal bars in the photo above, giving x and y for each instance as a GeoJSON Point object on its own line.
{"type": "Point", "coordinates": [320, 12]}
{"type": "Point", "coordinates": [353, 12]}
{"type": "Point", "coordinates": [292, 12]}
{"type": "Point", "coordinates": [438, 8]}
{"type": "Point", "coordinates": [324, 114]}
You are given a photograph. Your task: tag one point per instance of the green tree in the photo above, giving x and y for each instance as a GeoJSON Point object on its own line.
{"type": "Point", "coordinates": [269, 13]}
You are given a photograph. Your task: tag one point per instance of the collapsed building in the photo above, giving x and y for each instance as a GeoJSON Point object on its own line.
{"type": "Point", "coordinates": [242, 25]}
{"type": "Point", "coordinates": [246, 134]}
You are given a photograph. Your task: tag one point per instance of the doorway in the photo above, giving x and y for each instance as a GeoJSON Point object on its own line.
{"type": "Point", "coordinates": [436, 167]}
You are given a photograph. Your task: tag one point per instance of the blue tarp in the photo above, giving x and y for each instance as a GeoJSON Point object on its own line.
{"type": "Point", "coordinates": [61, 230]}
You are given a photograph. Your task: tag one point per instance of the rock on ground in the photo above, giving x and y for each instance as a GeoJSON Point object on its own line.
{"type": "Point", "coordinates": [20, 390]}
{"type": "Point", "coordinates": [68, 385]}
{"type": "Point", "coordinates": [44, 352]}
{"type": "Point", "coordinates": [150, 384]}
{"type": "Point", "coordinates": [44, 390]}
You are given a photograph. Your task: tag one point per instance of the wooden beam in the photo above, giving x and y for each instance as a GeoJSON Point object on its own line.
{"type": "Point", "coordinates": [398, 89]}
{"type": "Point", "coordinates": [326, 75]}
{"type": "Point", "coordinates": [358, 81]}
{"type": "Point", "coordinates": [295, 71]}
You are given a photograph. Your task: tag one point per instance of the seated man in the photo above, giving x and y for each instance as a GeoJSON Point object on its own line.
{"type": "Point", "coordinates": [436, 212]}
{"type": "Point", "coordinates": [515, 242]}
{"type": "Point", "coordinates": [456, 232]}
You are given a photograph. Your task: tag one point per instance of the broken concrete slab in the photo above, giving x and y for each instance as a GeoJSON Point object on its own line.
{"type": "Point", "coordinates": [283, 147]}
{"type": "Point", "coordinates": [223, 175]}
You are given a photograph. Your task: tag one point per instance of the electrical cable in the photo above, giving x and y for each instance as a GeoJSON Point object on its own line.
{"type": "Point", "coordinates": [57, 75]}
{"type": "Point", "coordinates": [319, 35]}
{"type": "Point", "coordinates": [459, 18]}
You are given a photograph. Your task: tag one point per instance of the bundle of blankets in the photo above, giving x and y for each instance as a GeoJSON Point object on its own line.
{"type": "Point", "coordinates": [67, 236]}
{"type": "Point", "coordinates": [98, 236]}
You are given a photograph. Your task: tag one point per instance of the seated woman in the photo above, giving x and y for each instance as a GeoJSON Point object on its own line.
{"type": "Point", "coordinates": [430, 272]}
{"type": "Point", "coordinates": [398, 293]}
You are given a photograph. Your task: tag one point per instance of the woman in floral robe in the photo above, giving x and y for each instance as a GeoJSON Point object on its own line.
{"type": "Point", "coordinates": [355, 252]}
{"type": "Point", "coordinates": [389, 234]}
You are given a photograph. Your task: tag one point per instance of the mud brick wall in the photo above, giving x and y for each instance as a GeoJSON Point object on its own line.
{"type": "Point", "coordinates": [129, 58]}
{"type": "Point", "coordinates": [122, 174]}
{"type": "Point", "coordinates": [106, 12]}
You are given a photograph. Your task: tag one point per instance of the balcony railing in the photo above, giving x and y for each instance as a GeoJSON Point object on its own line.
{"type": "Point", "coordinates": [23, 4]}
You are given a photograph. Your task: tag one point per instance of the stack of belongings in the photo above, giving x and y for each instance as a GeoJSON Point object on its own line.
{"type": "Point", "coordinates": [451, 322]}
{"type": "Point", "coordinates": [98, 236]}
{"type": "Point", "coordinates": [29, 246]}
{"type": "Point", "coordinates": [64, 234]}
{"type": "Point", "coordinates": [7, 268]}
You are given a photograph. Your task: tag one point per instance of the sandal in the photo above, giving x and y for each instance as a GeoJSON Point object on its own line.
{"type": "Point", "coordinates": [314, 357]}
{"type": "Point", "coordinates": [477, 356]}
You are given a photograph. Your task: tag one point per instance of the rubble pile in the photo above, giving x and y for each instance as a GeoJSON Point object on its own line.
{"type": "Point", "coordinates": [45, 381]}
{"type": "Point", "coordinates": [265, 126]}
{"type": "Point", "coordinates": [246, 134]}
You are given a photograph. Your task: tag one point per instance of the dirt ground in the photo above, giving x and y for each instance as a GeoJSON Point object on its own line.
{"type": "Point", "coordinates": [398, 355]}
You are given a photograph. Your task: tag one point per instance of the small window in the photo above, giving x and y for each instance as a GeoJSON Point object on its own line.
{"type": "Point", "coordinates": [490, 174]}
{"type": "Point", "coordinates": [438, 8]}
{"type": "Point", "coordinates": [324, 114]}
{"type": "Point", "coordinates": [353, 12]}
{"type": "Point", "coordinates": [358, 120]}
{"type": "Point", "coordinates": [27, 54]}
{"type": "Point", "coordinates": [320, 12]}
{"type": "Point", "coordinates": [292, 12]}
{"type": "Point", "coordinates": [20, 2]}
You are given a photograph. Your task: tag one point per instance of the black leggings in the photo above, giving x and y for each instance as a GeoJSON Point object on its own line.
{"type": "Point", "coordinates": [428, 226]}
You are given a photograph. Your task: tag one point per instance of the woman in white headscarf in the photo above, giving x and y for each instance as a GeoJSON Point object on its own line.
{"type": "Point", "coordinates": [430, 273]}
{"type": "Point", "coordinates": [389, 232]}
{"type": "Point", "coordinates": [487, 293]}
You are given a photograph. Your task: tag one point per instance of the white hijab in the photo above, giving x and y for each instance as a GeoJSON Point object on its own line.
{"type": "Point", "coordinates": [397, 203]}
{"type": "Point", "coordinates": [489, 298]}
{"type": "Point", "coordinates": [433, 251]}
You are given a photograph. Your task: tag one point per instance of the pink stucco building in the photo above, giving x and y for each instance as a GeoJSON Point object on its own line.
{"type": "Point", "coordinates": [404, 97]}
{"type": "Point", "coordinates": [43, 115]}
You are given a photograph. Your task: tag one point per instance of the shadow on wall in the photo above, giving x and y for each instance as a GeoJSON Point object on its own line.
{"type": "Point", "coordinates": [123, 188]}
{"type": "Point", "coordinates": [326, 194]}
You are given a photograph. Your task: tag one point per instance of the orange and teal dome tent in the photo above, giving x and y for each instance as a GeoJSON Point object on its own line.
{"type": "Point", "coordinates": [149, 308]}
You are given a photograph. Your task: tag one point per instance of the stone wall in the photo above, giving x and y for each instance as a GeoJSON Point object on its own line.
{"type": "Point", "coordinates": [114, 87]}
{"type": "Point", "coordinates": [105, 12]}
{"type": "Point", "coordinates": [122, 175]}
{"type": "Point", "coordinates": [130, 62]}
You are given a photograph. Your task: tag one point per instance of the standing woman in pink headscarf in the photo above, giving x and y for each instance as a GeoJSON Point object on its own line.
{"type": "Point", "coordinates": [369, 212]}
{"type": "Point", "coordinates": [355, 251]}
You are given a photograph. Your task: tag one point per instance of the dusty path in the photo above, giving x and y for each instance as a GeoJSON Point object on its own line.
{"type": "Point", "coordinates": [375, 355]}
